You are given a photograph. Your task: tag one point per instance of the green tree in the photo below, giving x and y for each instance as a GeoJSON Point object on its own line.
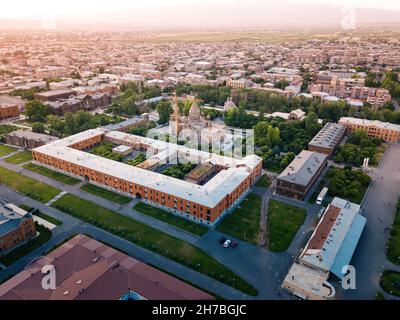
{"type": "Point", "coordinates": [164, 110]}
{"type": "Point", "coordinates": [36, 111]}
{"type": "Point", "coordinates": [38, 127]}
{"type": "Point", "coordinates": [312, 122]}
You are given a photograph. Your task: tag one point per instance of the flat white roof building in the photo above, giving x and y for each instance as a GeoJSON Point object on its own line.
{"type": "Point", "coordinates": [208, 195]}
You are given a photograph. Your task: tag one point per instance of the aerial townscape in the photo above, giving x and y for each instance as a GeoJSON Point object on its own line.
{"type": "Point", "coordinates": [213, 164]}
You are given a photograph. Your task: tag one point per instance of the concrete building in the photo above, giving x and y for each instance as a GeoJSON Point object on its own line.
{"type": "Point", "coordinates": [205, 204]}
{"type": "Point", "coordinates": [16, 226]}
{"type": "Point", "coordinates": [308, 283]}
{"type": "Point", "coordinates": [300, 175]}
{"type": "Point", "coordinates": [388, 132]}
{"type": "Point", "coordinates": [328, 252]}
{"type": "Point", "coordinates": [28, 139]}
{"type": "Point", "coordinates": [90, 270]}
{"type": "Point", "coordinates": [326, 141]}
{"type": "Point", "coordinates": [8, 111]}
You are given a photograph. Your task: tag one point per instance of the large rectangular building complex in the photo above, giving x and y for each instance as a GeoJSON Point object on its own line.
{"type": "Point", "coordinates": [204, 204]}
{"type": "Point", "coordinates": [388, 132]}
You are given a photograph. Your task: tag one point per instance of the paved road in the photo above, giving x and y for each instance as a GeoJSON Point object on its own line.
{"type": "Point", "coordinates": [379, 205]}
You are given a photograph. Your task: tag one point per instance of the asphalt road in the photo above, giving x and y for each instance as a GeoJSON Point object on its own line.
{"type": "Point", "coordinates": [379, 205]}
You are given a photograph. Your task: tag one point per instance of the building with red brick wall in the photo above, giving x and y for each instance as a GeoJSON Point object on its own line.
{"type": "Point", "coordinates": [203, 204]}
{"type": "Point", "coordinates": [8, 111]}
{"type": "Point", "coordinates": [16, 226]}
{"type": "Point", "coordinates": [388, 132]}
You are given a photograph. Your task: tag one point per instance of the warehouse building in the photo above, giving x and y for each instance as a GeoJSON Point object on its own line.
{"type": "Point", "coordinates": [301, 174]}
{"type": "Point", "coordinates": [328, 139]}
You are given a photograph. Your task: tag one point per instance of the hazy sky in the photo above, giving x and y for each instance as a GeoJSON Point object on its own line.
{"type": "Point", "coordinates": [29, 8]}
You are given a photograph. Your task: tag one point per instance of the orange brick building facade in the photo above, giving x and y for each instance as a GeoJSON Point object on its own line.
{"type": "Point", "coordinates": [169, 202]}
{"type": "Point", "coordinates": [8, 112]}
{"type": "Point", "coordinates": [375, 129]}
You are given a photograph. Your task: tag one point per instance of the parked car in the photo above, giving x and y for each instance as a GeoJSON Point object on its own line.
{"type": "Point", "coordinates": [227, 243]}
{"type": "Point", "coordinates": [321, 212]}
{"type": "Point", "coordinates": [234, 244]}
{"type": "Point", "coordinates": [222, 240]}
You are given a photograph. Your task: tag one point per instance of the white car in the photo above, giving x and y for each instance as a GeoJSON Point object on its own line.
{"type": "Point", "coordinates": [227, 243]}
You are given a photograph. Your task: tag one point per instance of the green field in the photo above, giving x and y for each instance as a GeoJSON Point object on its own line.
{"type": "Point", "coordinates": [393, 252]}
{"type": "Point", "coordinates": [23, 250]}
{"type": "Point", "coordinates": [169, 218]}
{"type": "Point", "coordinates": [51, 174]}
{"type": "Point", "coordinates": [390, 282]}
{"type": "Point", "coordinates": [106, 194]}
{"type": "Point", "coordinates": [5, 150]}
{"type": "Point", "coordinates": [264, 182]}
{"type": "Point", "coordinates": [20, 157]}
{"type": "Point", "coordinates": [244, 222]}
{"type": "Point", "coordinates": [27, 186]}
{"type": "Point", "coordinates": [151, 239]}
{"type": "Point", "coordinates": [283, 223]}
{"type": "Point", "coordinates": [40, 214]}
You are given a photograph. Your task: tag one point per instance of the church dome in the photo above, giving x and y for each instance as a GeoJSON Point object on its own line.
{"type": "Point", "coordinates": [229, 104]}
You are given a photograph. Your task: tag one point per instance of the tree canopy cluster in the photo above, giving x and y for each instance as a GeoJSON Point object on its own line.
{"type": "Point", "coordinates": [347, 183]}
{"type": "Point", "coordinates": [358, 147]}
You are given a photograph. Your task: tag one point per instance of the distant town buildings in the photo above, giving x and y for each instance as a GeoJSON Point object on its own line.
{"type": "Point", "coordinates": [90, 270]}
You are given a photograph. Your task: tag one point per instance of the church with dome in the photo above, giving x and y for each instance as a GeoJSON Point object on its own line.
{"type": "Point", "coordinates": [194, 121]}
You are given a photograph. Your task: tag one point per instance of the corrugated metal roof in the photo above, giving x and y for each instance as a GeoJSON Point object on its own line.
{"type": "Point", "coordinates": [349, 245]}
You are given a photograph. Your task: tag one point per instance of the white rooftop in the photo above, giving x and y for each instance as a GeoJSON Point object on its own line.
{"type": "Point", "coordinates": [208, 195]}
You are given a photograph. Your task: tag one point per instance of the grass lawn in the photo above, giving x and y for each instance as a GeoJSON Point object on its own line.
{"type": "Point", "coordinates": [40, 214]}
{"type": "Point", "coordinates": [20, 157]}
{"type": "Point", "coordinates": [169, 218]}
{"type": "Point", "coordinates": [393, 252]}
{"type": "Point", "coordinates": [283, 223]}
{"type": "Point", "coordinates": [390, 282]}
{"type": "Point", "coordinates": [23, 250]}
{"type": "Point", "coordinates": [264, 182]}
{"type": "Point", "coordinates": [151, 239]}
{"type": "Point", "coordinates": [27, 186]}
{"type": "Point", "coordinates": [5, 150]}
{"type": "Point", "coordinates": [51, 174]}
{"type": "Point", "coordinates": [106, 194]}
{"type": "Point", "coordinates": [244, 222]}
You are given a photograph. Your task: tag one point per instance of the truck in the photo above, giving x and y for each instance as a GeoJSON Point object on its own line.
{"type": "Point", "coordinates": [322, 196]}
